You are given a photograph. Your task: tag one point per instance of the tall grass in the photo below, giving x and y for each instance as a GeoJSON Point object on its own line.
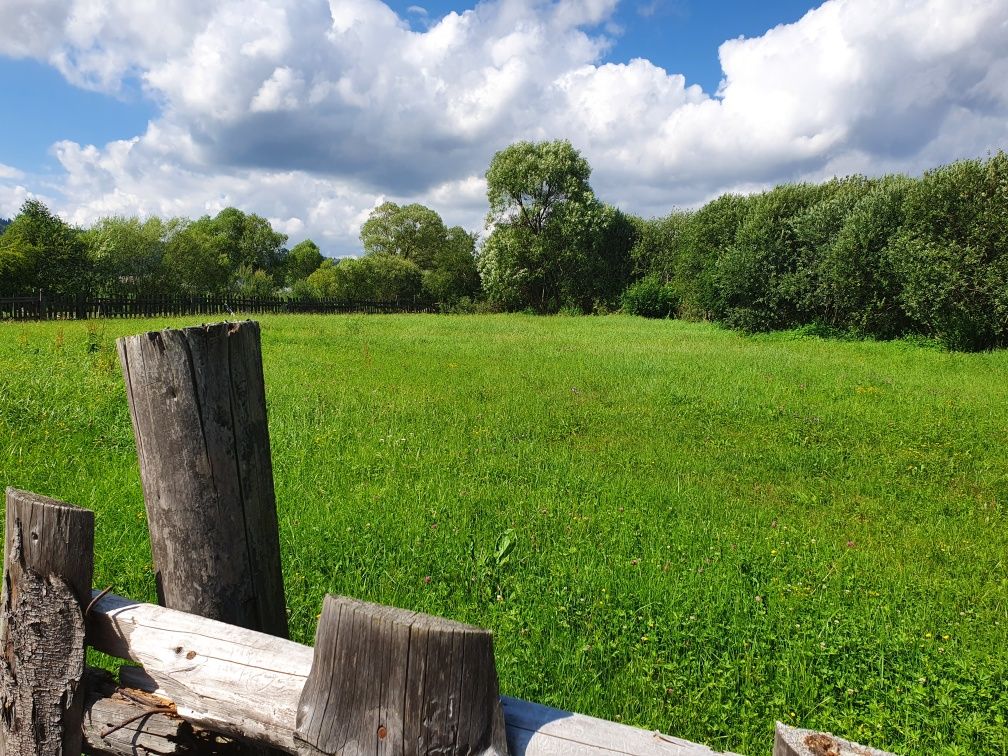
{"type": "Point", "coordinates": [664, 523]}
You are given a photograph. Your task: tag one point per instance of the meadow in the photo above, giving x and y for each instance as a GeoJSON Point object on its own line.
{"type": "Point", "coordinates": [664, 523]}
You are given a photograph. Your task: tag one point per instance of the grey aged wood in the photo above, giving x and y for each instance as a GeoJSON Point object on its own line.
{"type": "Point", "coordinates": [391, 681]}
{"type": "Point", "coordinates": [250, 684]}
{"type": "Point", "coordinates": [221, 677]}
{"type": "Point", "coordinates": [198, 407]}
{"type": "Point", "coordinates": [126, 721]}
{"type": "Point", "coordinates": [793, 741]}
{"type": "Point", "coordinates": [48, 567]}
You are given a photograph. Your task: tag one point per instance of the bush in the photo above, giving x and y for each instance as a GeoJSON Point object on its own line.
{"type": "Point", "coordinates": [650, 298]}
{"type": "Point", "coordinates": [704, 236]}
{"type": "Point", "coordinates": [856, 289]}
{"type": "Point", "coordinates": [755, 278]}
{"type": "Point", "coordinates": [951, 257]}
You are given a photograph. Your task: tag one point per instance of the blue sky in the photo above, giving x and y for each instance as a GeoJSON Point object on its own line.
{"type": "Point", "coordinates": [312, 112]}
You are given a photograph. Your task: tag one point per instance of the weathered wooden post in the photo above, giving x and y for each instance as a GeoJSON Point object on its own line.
{"type": "Point", "coordinates": [390, 681]}
{"type": "Point", "coordinates": [198, 407]}
{"type": "Point", "coordinates": [48, 568]}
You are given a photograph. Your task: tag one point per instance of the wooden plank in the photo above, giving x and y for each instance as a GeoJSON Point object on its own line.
{"type": "Point", "coordinates": [249, 685]}
{"type": "Point", "coordinates": [48, 566]}
{"type": "Point", "coordinates": [123, 721]}
{"type": "Point", "coordinates": [198, 408]}
{"type": "Point", "coordinates": [537, 730]}
{"type": "Point", "coordinates": [224, 678]}
{"type": "Point", "coordinates": [794, 741]}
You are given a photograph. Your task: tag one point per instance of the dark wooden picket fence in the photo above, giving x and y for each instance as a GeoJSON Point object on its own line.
{"type": "Point", "coordinates": [36, 307]}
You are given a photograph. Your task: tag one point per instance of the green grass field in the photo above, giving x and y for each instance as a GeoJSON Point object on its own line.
{"type": "Point", "coordinates": [664, 523]}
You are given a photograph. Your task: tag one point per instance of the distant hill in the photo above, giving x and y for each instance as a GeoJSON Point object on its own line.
{"type": "Point", "coordinates": [4, 222]}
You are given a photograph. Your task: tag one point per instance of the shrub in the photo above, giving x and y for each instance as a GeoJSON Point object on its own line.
{"type": "Point", "coordinates": [704, 236]}
{"type": "Point", "coordinates": [755, 277]}
{"type": "Point", "coordinates": [856, 289]}
{"type": "Point", "coordinates": [951, 257]}
{"type": "Point", "coordinates": [650, 298]}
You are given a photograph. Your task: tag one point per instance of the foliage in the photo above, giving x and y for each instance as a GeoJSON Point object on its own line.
{"type": "Point", "coordinates": [255, 283]}
{"type": "Point", "coordinates": [245, 239]}
{"type": "Point", "coordinates": [303, 260]}
{"type": "Point", "coordinates": [41, 252]}
{"type": "Point", "coordinates": [658, 245]}
{"type": "Point", "coordinates": [128, 254]}
{"type": "Point", "coordinates": [951, 255]}
{"type": "Point", "coordinates": [552, 243]}
{"type": "Point", "coordinates": [706, 234]}
{"type": "Point", "coordinates": [856, 289]}
{"type": "Point", "coordinates": [380, 277]}
{"type": "Point", "coordinates": [196, 259]}
{"type": "Point", "coordinates": [650, 297]}
{"type": "Point", "coordinates": [412, 232]}
{"type": "Point", "coordinates": [453, 274]}
{"type": "Point", "coordinates": [4, 222]}
{"type": "Point", "coordinates": [500, 262]}
{"type": "Point", "coordinates": [528, 182]}
{"type": "Point", "coordinates": [886, 258]}
{"type": "Point", "coordinates": [757, 277]}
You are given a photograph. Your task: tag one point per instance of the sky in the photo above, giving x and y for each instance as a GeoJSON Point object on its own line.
{"type": "Point", "coordinates": [313, 112]}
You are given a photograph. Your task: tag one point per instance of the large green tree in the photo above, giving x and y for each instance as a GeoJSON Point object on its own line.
{"type": "Point", "coordinates": [454, 274]}
{"type": "Point", "coordinates": [413, 232]}
{"type": "Point", "coordinates": [41, 252]}
{"type": "Point", "coordinates": [196, 260]}
{"type": "Point", "coordinates": [552, 244]}
{"type": "Point", "coordinates": [303, 260]}
{"type": "Point", "coordinates": [248, 239]}
{"type": "Point", "coordinates": [127, 254]}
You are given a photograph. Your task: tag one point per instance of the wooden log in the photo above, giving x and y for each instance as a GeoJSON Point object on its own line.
{"type": "Point", "coordinates": [124, 721]}
{"type": "Point", "coordinates": [198, 407]}
{"type": "Point", "coordinates": [537, 730]}
{"type": "Point", "coordinates": [249, 685]}
{"type": "Point", "coordinates": [224, 678]}
{"type": "Point", "coordinates": [793, 741]}
{"type": "Point", "coordinates": [48, 566]}
{"type": "Point", "coordinates": [391, 681]}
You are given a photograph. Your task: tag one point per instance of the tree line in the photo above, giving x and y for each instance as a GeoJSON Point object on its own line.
{"type": "Point", "coordinates": [409, 256]}
{"type": "Point", "coordinates": [870, 257]}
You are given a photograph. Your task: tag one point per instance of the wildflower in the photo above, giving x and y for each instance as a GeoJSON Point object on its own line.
{"type": "Point", "coordinates": [426, 579]}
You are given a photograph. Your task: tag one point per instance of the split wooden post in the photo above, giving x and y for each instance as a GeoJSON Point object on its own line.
{"type": "Point", "coordinates": [391, 681]}
{"type": "Point", "coordinates": [198, 407]}
{"type": "Point", "coordinates": [48, 568]}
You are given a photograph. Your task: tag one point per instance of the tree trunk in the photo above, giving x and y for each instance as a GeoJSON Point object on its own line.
{"type": "Point", "coordinates": [48, 566]}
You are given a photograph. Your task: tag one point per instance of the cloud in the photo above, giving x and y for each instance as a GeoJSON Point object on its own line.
{"type": "Point", "coordinates": [9, 172]}
{"type": "Point", "coordinates": [311, 112]}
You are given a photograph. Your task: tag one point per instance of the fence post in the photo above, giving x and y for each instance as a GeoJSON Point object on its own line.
{"type": "Point", "coordinates": [48, 568]}
{"type": "Point", "coordinates": [390, 681]}
{"type": "Point", "coordinates": [198, 407]}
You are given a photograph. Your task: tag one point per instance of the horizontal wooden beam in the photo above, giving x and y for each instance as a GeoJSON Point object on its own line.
{"type": "Point", "coordinates": [794, 741]}
{"type": "Point", "coordinates": [248, 684]}
{"type": "Point", "coordinates": [221, 677]}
